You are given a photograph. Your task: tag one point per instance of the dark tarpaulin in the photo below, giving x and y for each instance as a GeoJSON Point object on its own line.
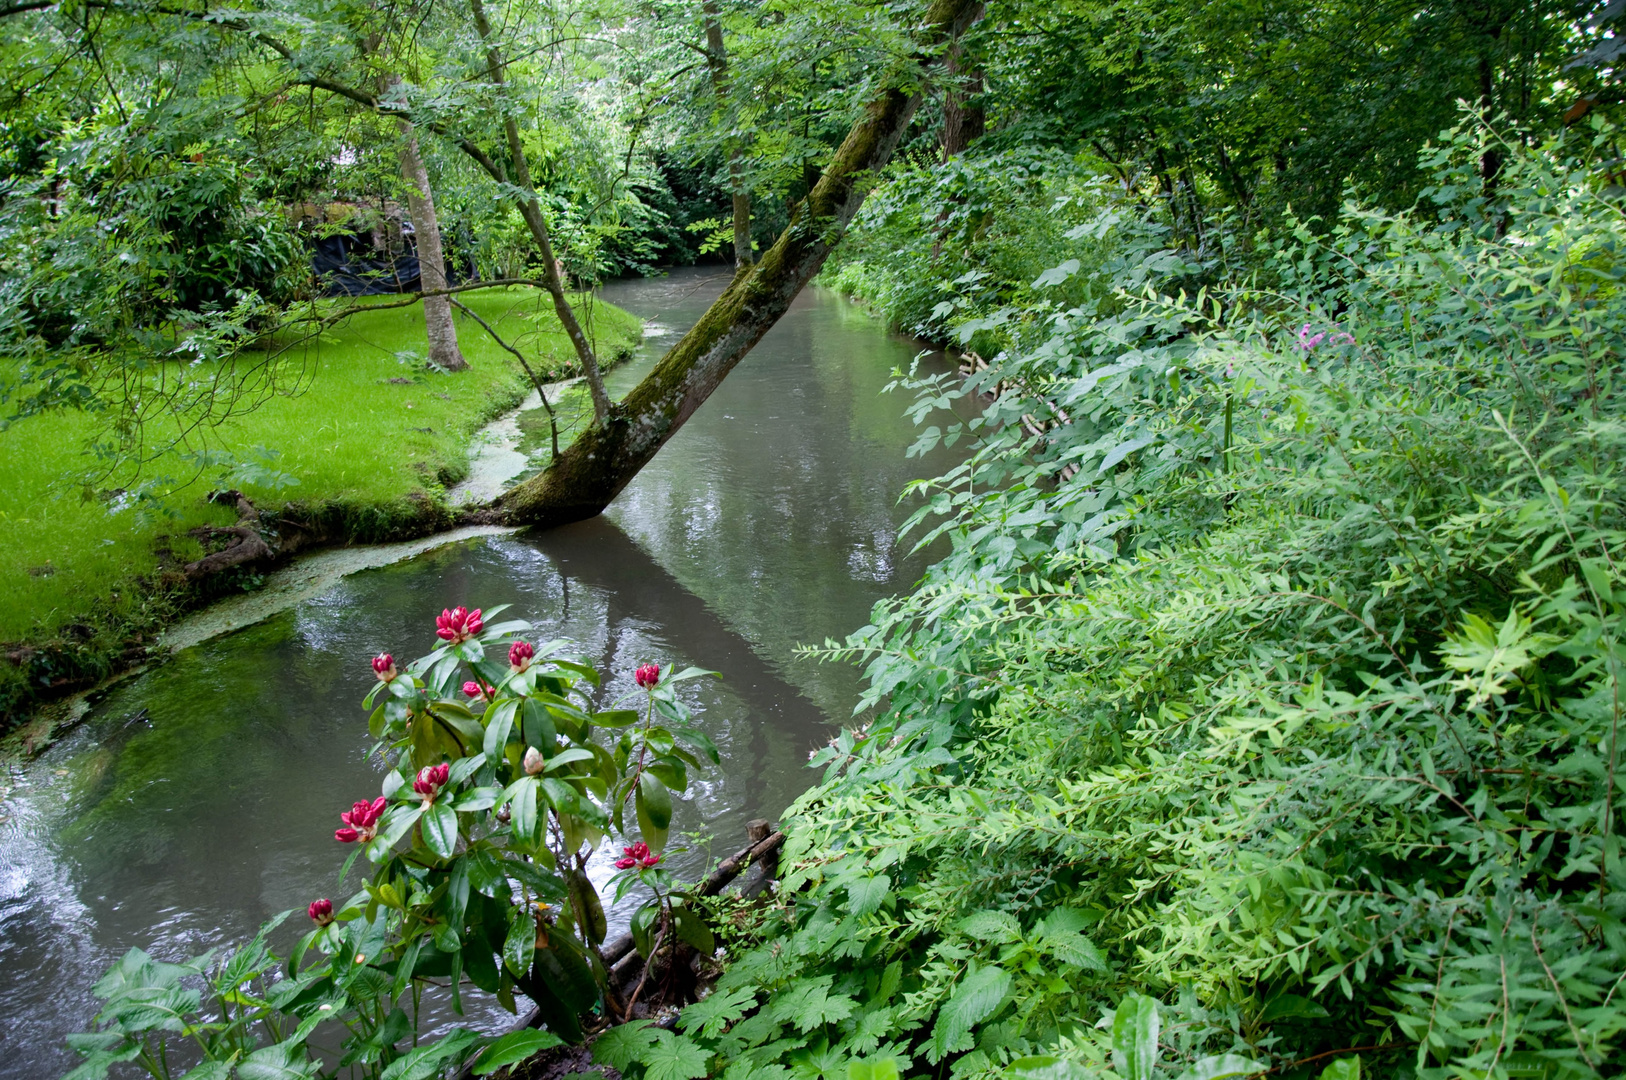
{"type": "Point", "coordinates": [343, 272]}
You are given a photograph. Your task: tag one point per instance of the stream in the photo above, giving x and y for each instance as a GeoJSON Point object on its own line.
{"type": "Point", "coordinates": [200, 798]}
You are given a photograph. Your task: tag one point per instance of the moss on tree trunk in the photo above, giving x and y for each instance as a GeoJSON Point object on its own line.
{"type": "Point", "coordinates": [592, 471]}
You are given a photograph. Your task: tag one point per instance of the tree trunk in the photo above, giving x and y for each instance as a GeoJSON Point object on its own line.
{"type": "Point", "coordinates": [962, 123]}
{"type": "Point", "coordinates": [531, 210]}
{"type": "Point", "coordinates": [717, 61]}
{"type": "Point", "coordinates": [437, 310]}
{"type": "Point", "coordinates": [593, 470]}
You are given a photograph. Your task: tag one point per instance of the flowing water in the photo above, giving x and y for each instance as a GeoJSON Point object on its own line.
{"type": "Point", "coordinates": [200, 798]}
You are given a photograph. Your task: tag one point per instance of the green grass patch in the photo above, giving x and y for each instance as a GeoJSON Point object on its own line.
{"type": "Point", "coordinates": [373, 438]}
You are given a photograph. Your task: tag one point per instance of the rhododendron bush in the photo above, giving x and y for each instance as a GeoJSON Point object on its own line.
{"type": "Point", "coordinates": [502, 780]}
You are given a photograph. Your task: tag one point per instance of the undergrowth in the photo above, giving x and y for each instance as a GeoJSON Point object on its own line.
{"type": "Point", "coordinates": [1274, 683]}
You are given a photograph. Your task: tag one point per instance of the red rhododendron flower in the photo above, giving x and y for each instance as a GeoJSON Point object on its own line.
{"type": "Point", "coordinates": [321, 912]}
{"type": "Point", "coordinates": [473, 689]}
{"type": "Point", "coordinates": [362, 819]}
{"type": "Point", "coordinates": [384, 666]}
{"type": "Point", "coordinates": [519, 655]}
{"type": "Point", "coordinates": [636, 855]}
{"type": "Point", "coordinates": [648, 675]}
{"type": "Point", "coordinates": [453, 625]}
{"type": "Point", "coordinates": [431, 778]}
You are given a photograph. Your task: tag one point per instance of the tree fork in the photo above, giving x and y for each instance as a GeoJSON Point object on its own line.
{"type": "Point", "coordinates": [582, 481]}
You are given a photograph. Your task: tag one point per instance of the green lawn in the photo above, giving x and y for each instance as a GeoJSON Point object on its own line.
{"type": "Point", "coordinates": [360, 445]}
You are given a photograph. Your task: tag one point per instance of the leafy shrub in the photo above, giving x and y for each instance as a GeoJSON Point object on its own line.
{"type": "Point", "coordinates": [499, 788]}
{"type": "Point", "coordinates": [1274, 676]}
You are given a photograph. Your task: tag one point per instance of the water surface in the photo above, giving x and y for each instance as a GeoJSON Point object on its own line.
{"type": "Point", "coordinates": [200, 798]}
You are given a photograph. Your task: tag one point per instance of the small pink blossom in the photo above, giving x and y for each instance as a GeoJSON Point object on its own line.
{"type": "Point", "coordinates": [384, 667]}
{"type": "Point", "coordinates": [519, 655]}
{"type": "Point", "coordinates": [647, 676]}
{"type": "Point", "coordinates": [474, 689]}
{"type": "Point", "coordinates": [361, 822]}
{"type": "Point", "coordinates": [321, 912]}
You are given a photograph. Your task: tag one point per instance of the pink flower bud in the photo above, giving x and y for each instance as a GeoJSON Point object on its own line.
{"type": "Point", "coordinates": [647, 676]}
{"type": "Point", "coordinates": [472, 688]}
{"type": "Point", "coordinates": [625, 863]}
{"type": "Point", "coordinates": [519, 655]}
{"type": "Point", "coordinates": [534, 762]}
{"type": "Point", "coordinates": [384, 667]}
{"type": "Point", "coordinates": [362, 819]}
{"type": "Point", "coordinates": [453, 625]}
{"type": "Point", "coordinates": [650, 860]}
{"type": "Point", "coordinates": [321, 912]}
{"type": "Point", "coordinates": [430, 779]}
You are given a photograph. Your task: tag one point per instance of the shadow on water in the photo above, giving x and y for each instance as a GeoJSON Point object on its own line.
{"type": "Point", "coordinates": [200, 798]}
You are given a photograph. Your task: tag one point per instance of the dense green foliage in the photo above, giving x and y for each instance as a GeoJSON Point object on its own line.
{"type": "Point", "coordinates": [1277, 678]}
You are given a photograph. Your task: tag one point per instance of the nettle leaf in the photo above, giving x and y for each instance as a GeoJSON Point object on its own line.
{"type": "Point", "coordinates": [998, 927]}
{"type": "Point", "coordinates": [977, 997]}
{"type": "Point", "coordinates": [1134, 1037]}
{"type": "Point", "coordinates": [1292, 1006]}
{"type": "Point", "coordinates": [1222, 1067]}
{"type": "Point", "coordinates": [718, 1011]}
{"type": "Point", "coordinates": [1343, 1069]}
{"type": "Point", "coordinates": [624, 1044]}
{"type": "Point", "coordinates": [864, 895]}
{"type": "Point", "coordinates": [674, 1057]}
{"type": "Point", "coordinates": [808, 1003]}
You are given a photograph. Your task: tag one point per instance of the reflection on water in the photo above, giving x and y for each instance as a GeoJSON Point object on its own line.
{"type": "Point", "coordinates": [200, 799]}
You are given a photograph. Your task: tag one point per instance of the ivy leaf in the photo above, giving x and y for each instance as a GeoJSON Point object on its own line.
{"type": "Point", "coordinates": [808, 1003]}
{"type": "Point", "coordinates": [624, 1044]}
{"type": "Point", "coordinates": [1134, 1037]}
{"type": "Point", "coordinates": [513, 1047]}
{"type": "Point", "coordinates": [674, 1057]}
{"type": "Point", "coordinates": [865, 894]}
{"type": "Point", "coordinates": [974, 1000]}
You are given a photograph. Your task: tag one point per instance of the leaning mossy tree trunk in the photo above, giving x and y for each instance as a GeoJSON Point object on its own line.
{"type": "Point", "coordinates": [581, 482]}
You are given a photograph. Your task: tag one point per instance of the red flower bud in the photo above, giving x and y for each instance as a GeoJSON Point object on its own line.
{"type": "Point", "coordinates": [430, 779]}
{"type": "Point", "coordinates": [650, 860]}
{"type": "Point", "coordinates": [321, 912]}
{"type": "Point", "coordinates": [625, 864]}
{"type": "Point", "coordinates": [457, 624]}
{"type": "Point", "coordinates": [384, 666]}
{"type": "Point", "coordinates": [362, 819]}
{"type": "Point", "coordinates": [519, 655]}
{"type": "Point", "coordinates": [648, 675]}
{"type": "Point", "coordinates": [472, 688]}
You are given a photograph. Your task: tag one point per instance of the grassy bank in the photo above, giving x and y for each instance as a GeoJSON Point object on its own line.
{"type": "Point", "coordinates": [373, 440]}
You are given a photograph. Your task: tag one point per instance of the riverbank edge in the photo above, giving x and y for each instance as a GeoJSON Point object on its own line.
{"type": "Point", "coordinates": [46, 684]}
